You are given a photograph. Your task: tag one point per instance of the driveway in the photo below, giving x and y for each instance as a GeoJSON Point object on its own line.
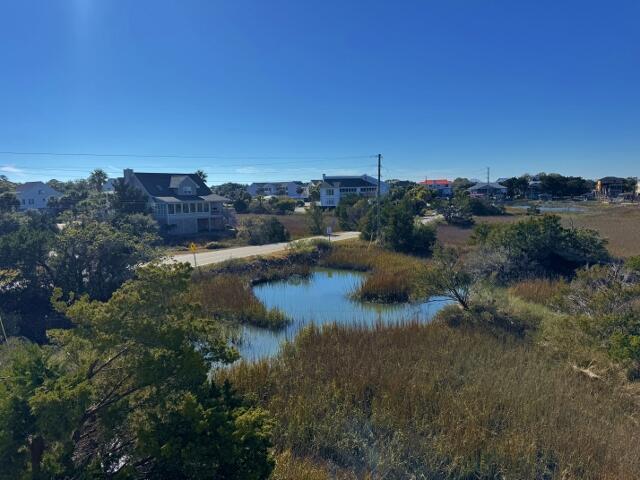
{"type": "Point", "coordinates": [218, 256]}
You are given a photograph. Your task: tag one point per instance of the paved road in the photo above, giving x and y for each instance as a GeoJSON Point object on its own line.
{"type": "Point", "coordinates": [217, 256]}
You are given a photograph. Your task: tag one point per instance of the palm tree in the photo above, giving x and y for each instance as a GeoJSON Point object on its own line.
{"type": "Point", "coordinates": [97, 179]}
{"type": "Point", "coordinates": [202, 175]}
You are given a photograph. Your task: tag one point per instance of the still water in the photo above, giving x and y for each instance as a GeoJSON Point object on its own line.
{"type": "Point", "coordinates": [323, 297]}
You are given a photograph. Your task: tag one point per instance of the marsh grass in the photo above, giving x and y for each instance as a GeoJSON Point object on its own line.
{"type": "Point", "coordinates": [230, 297]}
{"type": "Point", "coordinates": [432, 401]}
{"type": "Point", "coordinates": [393, 277]}
{"type": "Point", "coordinates": [540, 290]}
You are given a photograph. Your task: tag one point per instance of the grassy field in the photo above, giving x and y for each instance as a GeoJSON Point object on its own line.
{"type": "Point", "coordinates": [432, 401]}
{"type": "Point", "coordinates": [619, 224]}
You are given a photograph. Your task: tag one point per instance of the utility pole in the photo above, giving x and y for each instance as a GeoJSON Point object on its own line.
{"type": "Point", "coordinates": [378, 200]}
{"type": "Point", "coordinates": [4, 332]}
{"type": "Point", "coordinates": [488, 170]}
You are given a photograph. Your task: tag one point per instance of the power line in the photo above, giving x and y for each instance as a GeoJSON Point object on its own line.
{"type": "Point", "coordinates": [184, 156]}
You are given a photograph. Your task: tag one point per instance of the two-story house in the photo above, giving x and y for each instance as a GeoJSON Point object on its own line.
{"type": "Point", "coordinates": [333, 188]}
{"type": "Point", "coordinates": [35, 196]}
{"type": "Point", "coordinates": [441, 187]}
{"type": "Point", "coordinates": [296, 190]}
{"type": "Point", "coordinates": [181, 202]}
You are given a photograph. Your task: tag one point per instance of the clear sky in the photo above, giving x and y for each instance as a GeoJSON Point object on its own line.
{"type": "Point", "coordinates": [266, 90]}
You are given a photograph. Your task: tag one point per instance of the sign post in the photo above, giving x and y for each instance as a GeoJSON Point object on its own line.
{"type": "Point", "coordinates": [329, 232]}
{"type": "Point", "coordinates": [193, 248]}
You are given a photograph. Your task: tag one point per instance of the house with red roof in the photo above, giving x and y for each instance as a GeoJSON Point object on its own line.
{"type": "Point", "coordinates": [442, 187]}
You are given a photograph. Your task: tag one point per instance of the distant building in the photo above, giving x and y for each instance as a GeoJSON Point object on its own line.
{"type": "Point", "coordinates": [108, 186]}
{"type": "Point", "coordinates": [296, 190]}
{"type": "Point", "coordinates": [442, 187]}
{"type": "Point", "coordinates": [610, 187]}
{"type": "Point", "coordinates": [35, 196]}
{"type": "Point", "coordinates": [181, 202]}
{"type": "Point", "coordinates": [487, 190]}
{"type": "Point", "coordinates": [334, 188]}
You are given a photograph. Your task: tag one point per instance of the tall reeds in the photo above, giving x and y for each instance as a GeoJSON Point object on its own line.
{"type": "Point", "coordinates": [431, 401]}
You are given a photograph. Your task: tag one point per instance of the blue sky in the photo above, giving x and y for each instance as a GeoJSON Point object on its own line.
{"type": "Point", "coordinates": [265, 90]}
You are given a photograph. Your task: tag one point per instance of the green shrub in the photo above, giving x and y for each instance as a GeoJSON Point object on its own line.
{"type": "Point", "coordinates": [538, 245]}
{"type": "Point", "coordinates": [262, 231]}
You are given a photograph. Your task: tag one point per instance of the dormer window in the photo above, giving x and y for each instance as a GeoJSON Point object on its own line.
{"type": "Point", "coordinates": [187, 190]}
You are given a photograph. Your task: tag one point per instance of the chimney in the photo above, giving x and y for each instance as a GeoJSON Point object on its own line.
{"type": "Point", "coordinates": [323, 177]}
{"type": "Point", "coordinates": [128, 173]}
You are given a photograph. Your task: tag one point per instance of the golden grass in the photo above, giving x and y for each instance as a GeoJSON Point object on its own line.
{"type": "Point", "coordinates": [619, 224]}
{"type": "Point", "coordinates": [290, 467]}
{"type": "Point", "coordinates": [392, 278]}
{"type": "Point", "coordinates": [539, 290]}
{"type": "Point", "coordinates": [430, 401]}
{"type": "Point", "coordinates": [230, 297]}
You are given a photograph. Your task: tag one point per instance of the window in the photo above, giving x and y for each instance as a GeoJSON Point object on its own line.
{"type": "Point", "coordinates": [215, 207]}
{"type": "Point", "coordinates": [172, 209]}
{"type": "Point", "coordinates": [192, 208]}
{"type": "Point", "coordinates": [348, 190]}
{"type": "Point", "coordinates": [178, 208]}
{"type": "Point", "coordinates": [206, 207]}
{"type": "Point", "coordinates": [199, 208]}
{"type": "Point", "coordinates": [329, 191]}
{"type": "Point", "coordinates": [186, 190]}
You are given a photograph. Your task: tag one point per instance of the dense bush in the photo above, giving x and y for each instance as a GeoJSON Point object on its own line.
{"type": "Point", "coordinates": [262, 231]}
{"type": "Point", "coordinates": [538, 245]}
{"type": "Point", "coordinates": [481, 207]}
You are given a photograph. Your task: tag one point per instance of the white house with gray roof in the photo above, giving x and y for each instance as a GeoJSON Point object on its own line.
{"type": "Point", "coordinates": [296, 190]}
{"type": "Point", "coordinates": [333, 188]}
{"type": "Point", "coordinates": [35, 196]}
{"type": "Point", "coordinates": [181, 202]}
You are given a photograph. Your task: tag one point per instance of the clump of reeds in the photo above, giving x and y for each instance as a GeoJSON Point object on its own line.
{"type": "Point", "coordinates": [230, 297]}
{"type": "Point", "coordinates": [393, 277]}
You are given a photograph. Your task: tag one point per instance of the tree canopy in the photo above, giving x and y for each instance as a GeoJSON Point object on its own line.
{"type": "Point", "coordinates": [126, 393]}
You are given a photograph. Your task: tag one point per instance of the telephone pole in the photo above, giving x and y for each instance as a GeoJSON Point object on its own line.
{"type": "Point", "coordinates": [378, 200]}
{"type": "Point", "coordinates": [488, 170]}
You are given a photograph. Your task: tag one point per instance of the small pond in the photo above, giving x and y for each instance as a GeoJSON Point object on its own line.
{"type": "Point", "coordinates": [323, 297]}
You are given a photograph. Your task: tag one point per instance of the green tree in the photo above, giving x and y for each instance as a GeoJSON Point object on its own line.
{"type": "Point", "coordinates": [457, 210]}
{"type": "Point", "coordinates": [97, 179]}
{"type": "Point", "coordinates": [127, 393]}
{"type": "Point", "coordinates": [315, 219]}
{"type": "Point", "coordinates": [8, 202]}
{"type": "Point", "coordinates": [265, 230]}
{"type": "Point", "coordinates": [95, 258]}
{"type": "Point", "coordinates": [128, 199]}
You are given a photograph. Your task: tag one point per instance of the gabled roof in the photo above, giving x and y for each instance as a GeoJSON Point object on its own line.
{"type": "Point", "coordinates": [485, 186]}
{"type": "Point", "coordinates": [346, 182]}
{"type": "Point", "coordinates": [279, 184]}
{"type": "Point", "coordinates": [163, 184]}
{"type": "Point", "coordinates": [610, 180]}
{"type": "Point", "coordinates": [23, 187]}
